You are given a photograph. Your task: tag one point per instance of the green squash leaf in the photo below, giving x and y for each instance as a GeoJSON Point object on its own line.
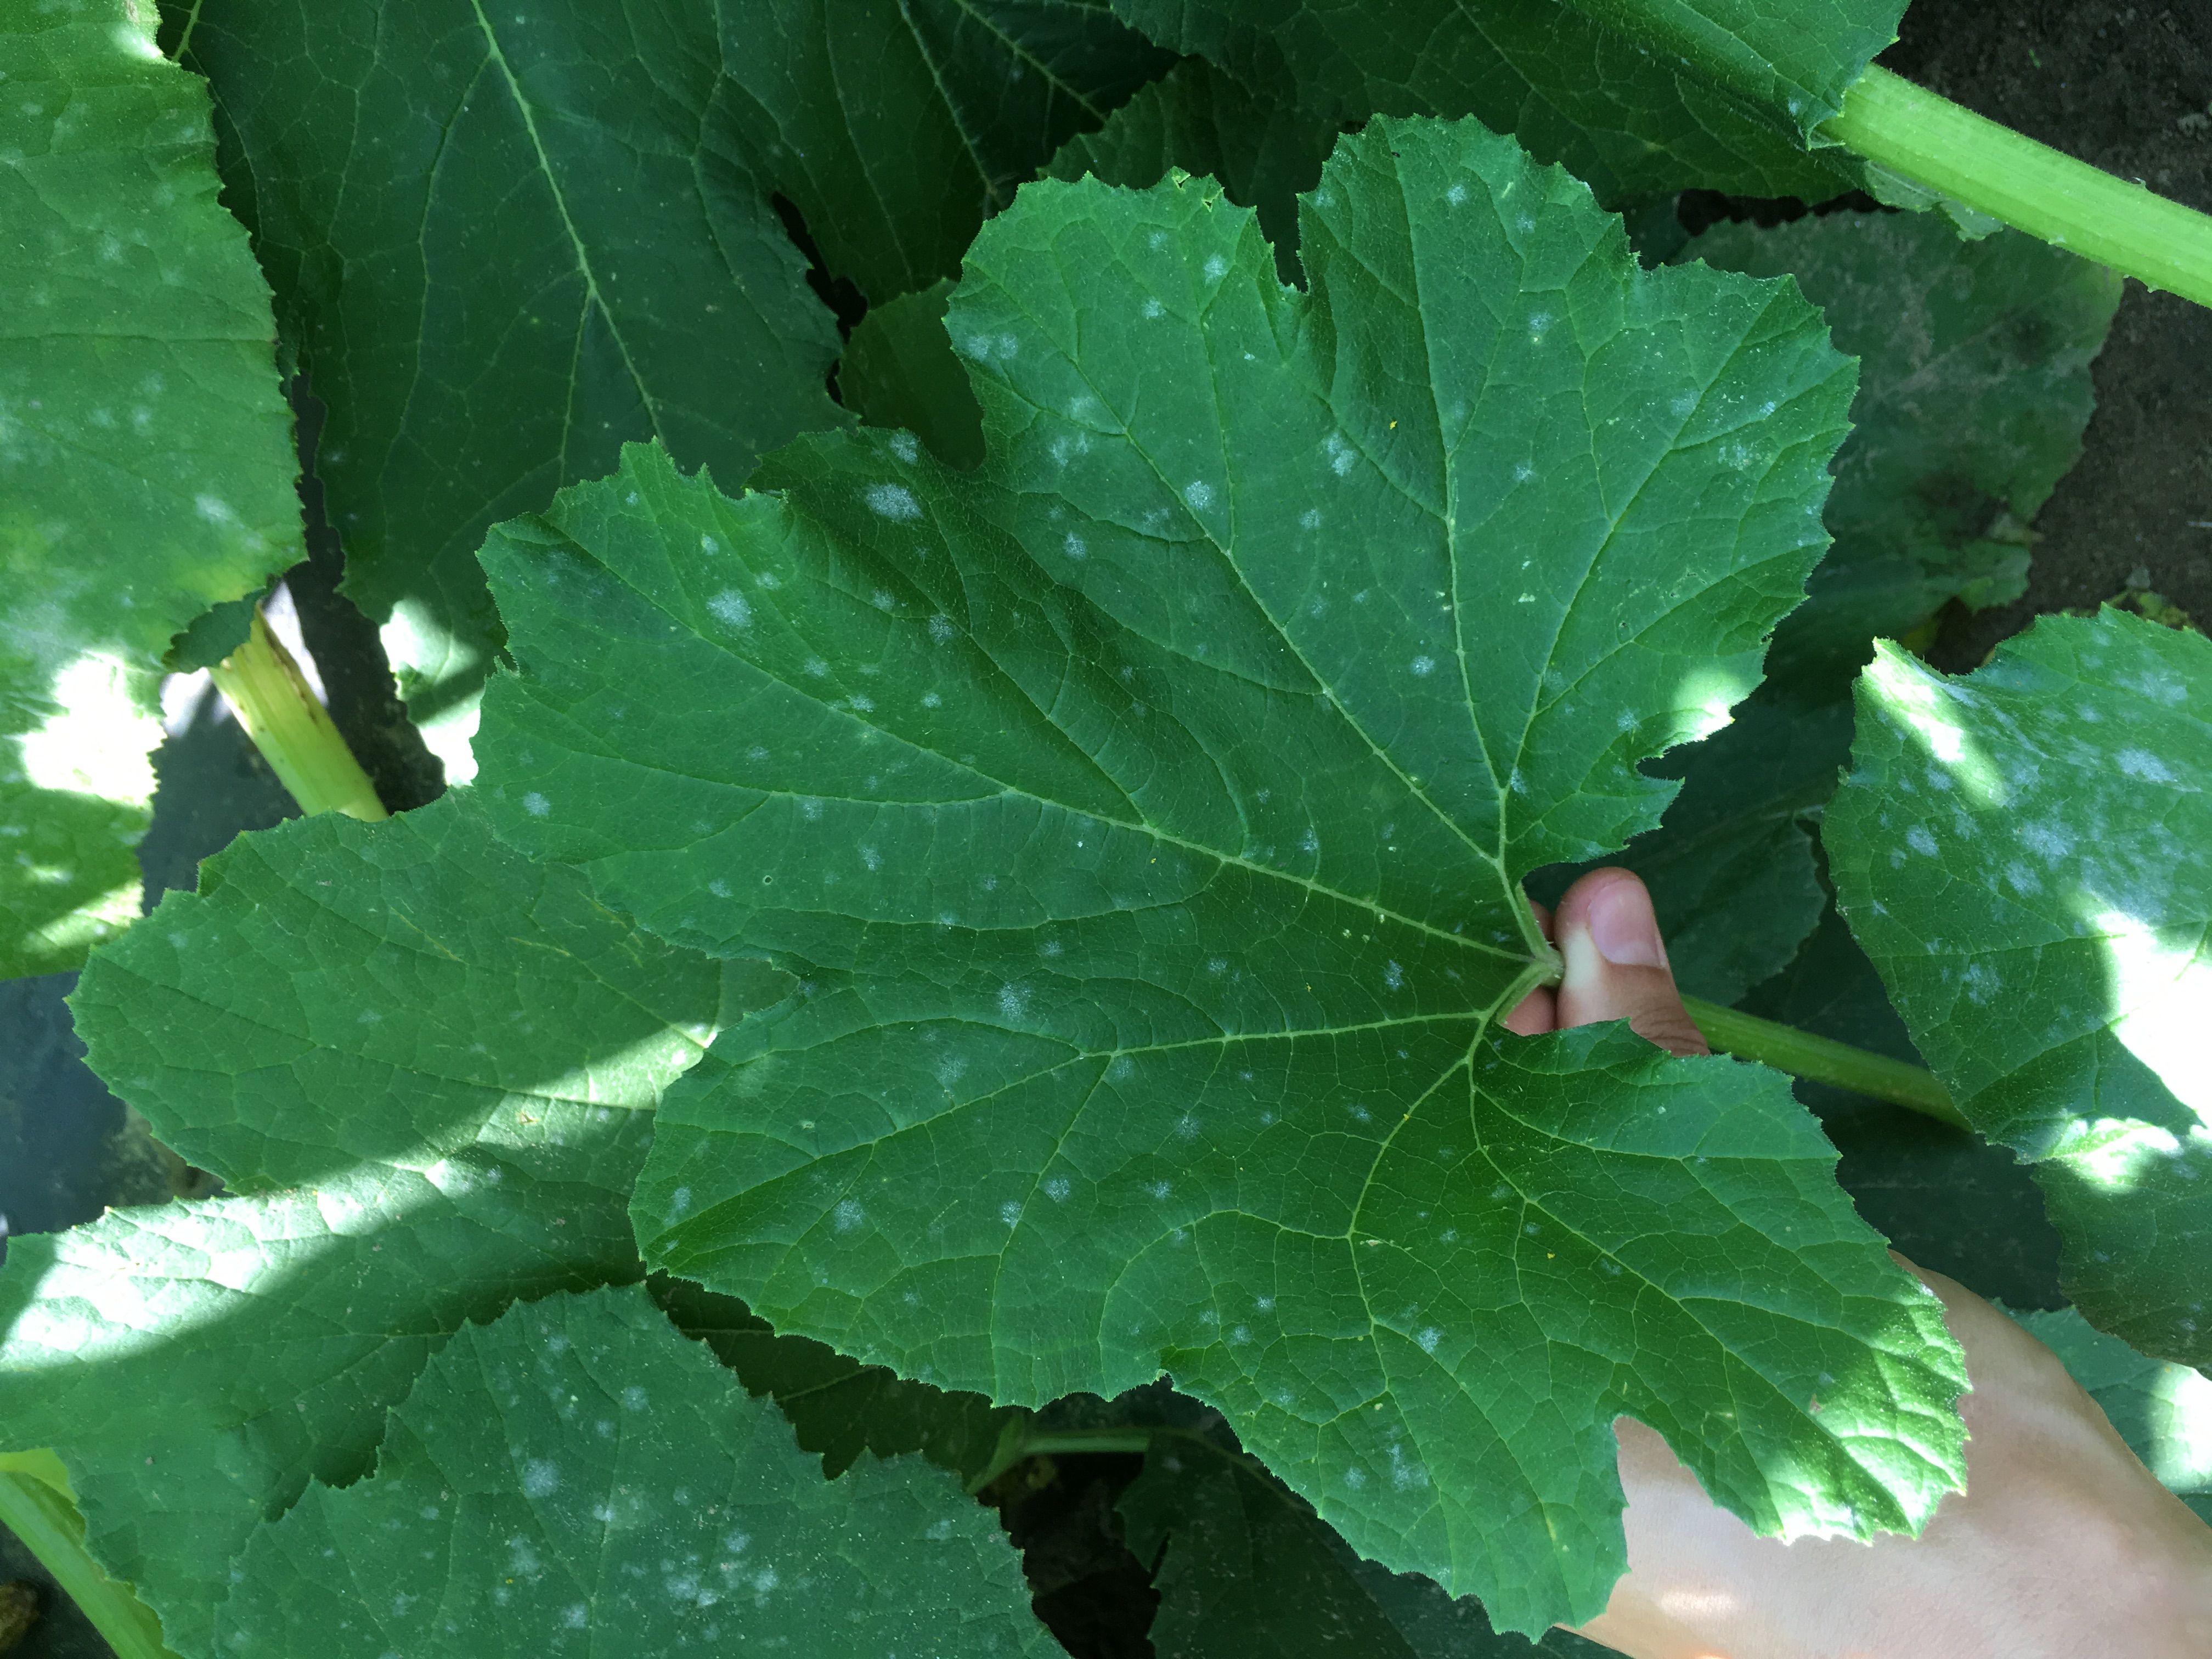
{"type": "Point", "coordinates": [838, 1407]}
{"type": "Point", "coordinates": [449, 1050]}
{"type": "Point", "coordinates": [503, 240]}
{"type": "Point", "coordinates": [577, 1473]}
{"type": "Point", "coordinates": [506, 239]}
{"type": "Point", "coordinates": [2163, 1412]}
{"type": "Point", "coordinates": [1638, 98]}
{"type": "Point", "coordinates": [2021, 853]}
{"type": "Point", "coordinates": [899, 371]}
{"type": "Point", "coordinates": [146, 461]}
{"type": "Point", "coordinates": [1245, 1566]}
{"type": "Point", "coordinates": [1265, 153]}
{"type": "Point", "coordinates": [1143, 815]}
{"type": "Point", "coordinates": [898, 130]}
{"type": "Point", "coordinates": [1731, 870]}
{"type": "Point", "coordinates": [1974, 392]}
{"type": "Point", "coordinates": [1942, 1195]}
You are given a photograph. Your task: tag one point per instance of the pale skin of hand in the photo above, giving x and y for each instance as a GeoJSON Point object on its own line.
{"type": "Point", "coordinates": [2062, 1547]}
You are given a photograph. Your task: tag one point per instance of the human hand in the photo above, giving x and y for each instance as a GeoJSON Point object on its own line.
{"type": "Point", "coordinates": [2063, 1546]}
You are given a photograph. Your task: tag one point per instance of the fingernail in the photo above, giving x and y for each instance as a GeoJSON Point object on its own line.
{"type": "Point", "coordinates": [1623, 928]}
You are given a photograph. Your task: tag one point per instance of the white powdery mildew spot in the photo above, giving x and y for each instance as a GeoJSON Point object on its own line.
{"type": "Point", "coordinates": [904, 446]}
{"type": "Point", "coordinates": [940, 628]}
{"type": "Point", "coordinates": [541, 1478]}
{"type": "Point", "coordinates": [871, 858]}
{"type": "Point", "coordinates": [1011, 999]}
{"type": "Point", "coordinates": [1310, 519]}
{"type": "Point", "coordinates": [848, 1216]}
{"type": "Point", "coordinates": [536, 805]}
{"type": "Point", "coordinates": [1455, 195]}
{"type": "Point", "coordinates": [1056, 1189]}
{"type": "Point", "coordinates": [1011, 1213]}
{"type": "Point", "coordinates": [2142, 763]}
{"type": "Point", "coordinates": [1216, 267]}
{"type": "Point", "coordinates": [1423, 666]}
{"type": "Point", "coordinates": [709, 544]}
{"type": "Point", "coordinates": [1154, 308]}
{"type": "Point", "coordinates": [1920, 841]}
{"type": "Point", "coordinates": [1074, 546]}
{"type": "Point", "coordinates": [1393, 977]}
{"type": "Point", "coordinates": [890, 500]}
{"type": "Point", "coordinates": [1428, 1337]}
{"type": "Point", "coordinates": [730, 605]}
{"type": "Point", "coordinates": [1200, 495]}
{"type": "Point", "coordinates": [1340, 453]}
{"type": "Point", "coordinates": [1309, 843]}
{"type": "Point", "coordinates": [882, 600]}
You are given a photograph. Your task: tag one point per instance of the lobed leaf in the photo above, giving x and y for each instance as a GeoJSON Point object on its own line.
{"type": "Point", "coordinates": [575, 1475]}
{"type": "Point", "coordinates": [1143, 814]}
{"type": "Point", "coordinates": [145, 452]}
{"type": "Point", "coordinates": [444, 1054]}
{"type": "Point", "coordinates": [2021, 853]}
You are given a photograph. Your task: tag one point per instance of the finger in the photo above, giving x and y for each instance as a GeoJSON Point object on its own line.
{"type": "Point", "coordinates": [1616, 964]}
{"type": "Point", "coordinates": [1538, 1012]}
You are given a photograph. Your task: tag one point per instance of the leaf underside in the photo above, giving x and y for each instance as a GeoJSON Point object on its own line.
{"type": "Point", "coordinates": [577, 1475]}
{"type": "Point", "coordinates": [1142, 815]}
{"type": "Point", "coordinates": [2021, 853]}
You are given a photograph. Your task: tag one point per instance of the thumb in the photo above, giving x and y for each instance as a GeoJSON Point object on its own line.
{"type": "Point", "coordinates": [1616, 964]}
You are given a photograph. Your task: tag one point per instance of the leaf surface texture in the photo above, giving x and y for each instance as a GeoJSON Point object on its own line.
{"type": "Point", "coordinates": [1142, 815]}
{"type": "Point", "coordinates": [576, 1474]}
{"type": "Point", "coordinates": [440, 1056]}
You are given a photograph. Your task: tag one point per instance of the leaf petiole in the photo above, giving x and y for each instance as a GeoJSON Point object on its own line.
{"type": "Point", "coordinates": [293, 731]}
{"type": "Point", "coordinates": [1942, 147]}
{"type": "Point", "coordinates": [37, 1505]}
{"type": "Point", "coordinates": [1821, 1059]}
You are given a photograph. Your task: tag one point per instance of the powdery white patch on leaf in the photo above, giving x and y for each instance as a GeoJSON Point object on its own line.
{"type": "Point", "coordinates": [698, 1516]}
{"type": "Point", "coordinates": [2050, 958]}
{"type": "Point", "coordinates": [1165, 756]}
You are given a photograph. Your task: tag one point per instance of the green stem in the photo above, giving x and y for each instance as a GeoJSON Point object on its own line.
{"type": "Point", "coordinates": [41, 1512]}
{"type": "Point", "coordinates": [1818, 1060]}
{"type": "Point", "coordinates": [1934, 143]}
{"type": "Point", "coordinates": [269, 696]}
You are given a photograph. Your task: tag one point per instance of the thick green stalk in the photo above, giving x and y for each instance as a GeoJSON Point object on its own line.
{"type": "Point", "coordinates": [37, 1505]}
{"type": "Point", "coordinates": [1936, 144]}
{"type": "Point", "coordinates": [1819, 1060]}
{"type": "Point", "coordinates": [269, 696]}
